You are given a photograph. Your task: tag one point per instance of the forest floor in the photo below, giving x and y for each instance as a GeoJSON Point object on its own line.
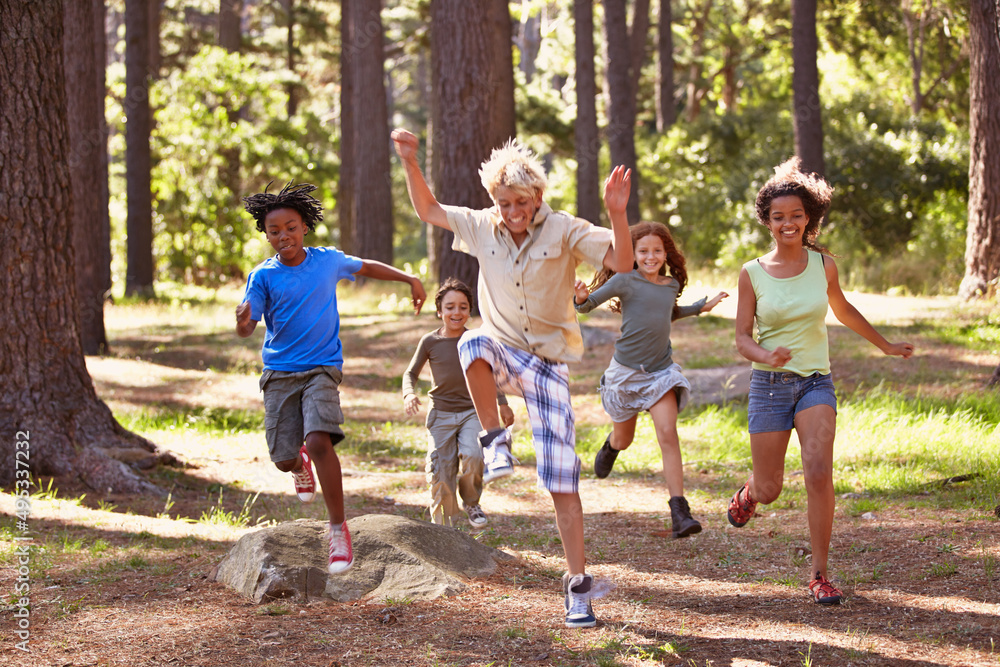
{"type": "Point", "coordinates": [119, 580]}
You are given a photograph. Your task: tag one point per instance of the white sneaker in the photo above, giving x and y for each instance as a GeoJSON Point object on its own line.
{"type": "Point", "coordinates": [477, 517]}
{"type": "Point", "coordinates": [497, 458]}
{"type": "Point", "coordinates": [577, 589]}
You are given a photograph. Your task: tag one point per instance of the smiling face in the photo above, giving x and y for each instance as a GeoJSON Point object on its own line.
{"type": "Point", "coordinates": [787, 220]}
{"type": "Point", "coordinates": [285, 231]}
{"type": "Point", "coordinates": [650, 255]}
{"type": "Point", "coordinates": [517, 210]}
{"type": "Point", "coordinates": [454, 313]}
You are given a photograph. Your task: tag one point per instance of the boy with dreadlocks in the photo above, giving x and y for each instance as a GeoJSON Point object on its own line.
{"type": "Point", "coordinates": [528, 256]}
{"type": "Point", "coordinates": [295, 292]}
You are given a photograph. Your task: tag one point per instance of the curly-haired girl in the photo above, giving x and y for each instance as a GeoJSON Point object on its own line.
{"type": "Point", "coordinates": [786, 294]}
{"type": "Point", "coordinates": [642, 375]}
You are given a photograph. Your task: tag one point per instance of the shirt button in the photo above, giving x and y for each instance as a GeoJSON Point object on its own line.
{"type": "Point", "coordinates": [517, 284]}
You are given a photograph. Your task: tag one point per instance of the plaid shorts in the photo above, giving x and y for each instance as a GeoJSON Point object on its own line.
{"type": "Point", "coordinates": [544, 386]}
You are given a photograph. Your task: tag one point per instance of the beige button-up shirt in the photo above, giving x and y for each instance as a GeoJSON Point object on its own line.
{"type": "Point", "coordinates": [526, 293]}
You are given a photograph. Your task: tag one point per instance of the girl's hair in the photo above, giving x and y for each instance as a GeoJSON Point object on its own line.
{"type": "Point", "coordinates": [815, 193]}
{"type": "Point", "coordinates": [513, 165]}
{"type": "Point", "coordinates": [295, 197]}
{"type": "Point", "coordinates": [451, 285]}
{"type": "Point", "coordinates": [675, 260]}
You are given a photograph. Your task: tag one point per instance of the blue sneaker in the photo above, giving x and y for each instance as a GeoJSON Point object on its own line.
{"type": "Point", "coordinates": [497, 458]}
{"type": "Point", "coordinates": [577, 589]}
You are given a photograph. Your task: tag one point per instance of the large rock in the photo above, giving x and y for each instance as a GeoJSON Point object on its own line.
{"type": "Point", "coordinates": [394, 557]}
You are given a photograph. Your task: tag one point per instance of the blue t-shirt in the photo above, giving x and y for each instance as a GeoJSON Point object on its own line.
{"type": "Point", "coordinates": [299, 307]}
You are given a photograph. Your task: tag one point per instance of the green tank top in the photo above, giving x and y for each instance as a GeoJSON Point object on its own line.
{"type": "Point", "coordinates": [791, 312]}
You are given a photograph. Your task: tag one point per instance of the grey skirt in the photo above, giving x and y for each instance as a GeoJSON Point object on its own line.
{"type": "Point", "coordinates": [625, 392]}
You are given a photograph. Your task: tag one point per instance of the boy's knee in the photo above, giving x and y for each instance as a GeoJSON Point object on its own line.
{"type": "Point", "coordinates": [286, 466]}
{"type": "Point", "coordinates": [318, 444]}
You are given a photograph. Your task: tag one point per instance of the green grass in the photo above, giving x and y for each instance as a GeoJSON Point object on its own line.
{"type": "Point", "coordinates": [215, 421]}
{"type": "Point", "coordinates": [887, 446]}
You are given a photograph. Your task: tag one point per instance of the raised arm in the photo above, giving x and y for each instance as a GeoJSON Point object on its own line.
{"type": "Point", "coordinates": [852, 318]}
{"type": "Point", "coordinates": [424, 203]}
{"type": "Point", "coordinates": [619, 257]}
{"type": "Point", "coordinates": [746, 310]}
{"type": "Point", "coordinates": [371, 268]}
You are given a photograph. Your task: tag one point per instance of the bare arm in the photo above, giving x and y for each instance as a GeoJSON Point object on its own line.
{"type": "Point", "coordinates": [244, 324]}
{"type": "Point", "coordinates": [619, 257]}
{"type": "Point", "coordinates": [852, 318]}
{"type": "Point", "coordinates": [746, 310]}
{"type": "Point", "coordinates": [379, 271]}
{"type": "Point", "coordinates": [714, 301]}
{"type": "Point", "coordinates": [424, 203]}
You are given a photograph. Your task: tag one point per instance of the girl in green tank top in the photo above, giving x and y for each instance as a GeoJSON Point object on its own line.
{"type": "Point", "coordinates": [784, 295]}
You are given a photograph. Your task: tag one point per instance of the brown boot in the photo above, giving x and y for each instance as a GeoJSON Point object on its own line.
{"type": "Point", "coordinates": [680, 515]}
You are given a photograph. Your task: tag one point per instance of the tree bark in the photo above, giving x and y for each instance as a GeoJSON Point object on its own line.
{"type": "Point", "coordinates": [586, 137]}
{"type": "Point", "coordinates": [695, 86]}
{"type": "Point", "coordinates": [345, 185]}
{"type": "Point", "coordinates": [85, 116]}
{"type": "Point", "coordinates": [103, 274]}
{"type": "Point", "coordinates": [529, 41]}
{"type": "Point", "coordinates": [472, 76]}
{"type": "Point", "coordinates": [624, 52]}
{"type": "Point", "coordinates": [138, 160]}
{"type": "Point", "coordinates": [666, 112]}
{"type": "Point", "coordinates": [371, 200]}
{"type": "Point", "coordinates": [230, 37]}
{"type": "Point", "coordinates": [48, 398]}
{"type": "Point", "coordinates": [290, 88]}
{"type": "Point", "coordinates": [982, 246]}
{"type": "Point", "coordinates": [805, 88]}
{"type": "Point", "coordinates": [230, 32]}
{"type": "Point", "coordinates": [153, 39]}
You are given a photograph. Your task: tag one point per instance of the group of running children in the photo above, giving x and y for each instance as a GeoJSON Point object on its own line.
{"type": "Point", "coordinates": [528, 297]}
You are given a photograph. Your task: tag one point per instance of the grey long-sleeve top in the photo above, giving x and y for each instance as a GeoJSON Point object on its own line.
{"type": "Point", "coordinates": [647, 313]}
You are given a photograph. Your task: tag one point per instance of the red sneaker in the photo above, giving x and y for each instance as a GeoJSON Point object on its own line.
{"type": "Point", "coordinates": [823, 592]}
{"type": "Point", "coordinates": [305, 483]}
{"type": "Point", "coordinates": [341, 553]}
{"type": "Point", "coordinates": [741, 507]}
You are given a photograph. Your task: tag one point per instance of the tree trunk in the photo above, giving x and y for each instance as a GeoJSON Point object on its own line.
{"type": "Point", "coordinates": [48, 399]}
{"type": "Point", "coordinates": [695, 85]}
{"type": "Point", "coordinates": [290, 89]}
{"type": "Point", "coordinates": [345, 185]}
{"type": "Point", "coordinates": [85, 117]}
{"type": "Point", "coordinates": [230, 37]}
{"type": "Point", "coordinates": [138, 161]}
{"type": "Point", "coordinates": [153, 39]}
{"type": "Point", "coordinates": [230, 19]}
{"type": "Point", "coordinates": [103, 274]}
{"type": "Point", "coordinates": [529, 40]}
{"type": "Point", "coordinates": [472, 76]}
{"type": "Point", "coordinates": [586, 137]}
{"type": "Point", "coordinates": [371, 203]}
{"type": "Point", "coordinates": [624, 62]}
{"type": "Point", "coordinates": [666, 112]}
{"type": "Point", "coordinates": [982, 246]}
{"type": "Point", "coordinates": [805, 88]}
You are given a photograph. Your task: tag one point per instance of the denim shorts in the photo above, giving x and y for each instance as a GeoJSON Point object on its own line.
{"type": "Point", "coordinates": [775, 398]}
